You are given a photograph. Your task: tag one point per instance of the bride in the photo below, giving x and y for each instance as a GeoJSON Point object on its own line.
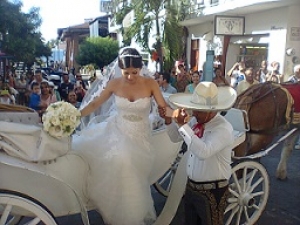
{"type": "Point", "coordinates": [118, 150]}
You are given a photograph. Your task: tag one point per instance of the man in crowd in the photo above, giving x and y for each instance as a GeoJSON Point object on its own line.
{"type": "Point", "coordinates": [248, 82]}
{"type": "Point", "coordinates": [164, 83]}
{"type": "Point", "coordinates": [65, 87]}
{"type": "Point", "coordinates": [236, 73]}
{"type": "Point", "coordinates": [37, 78]}
{"type": "Point", "coordinates": [79, 80]}
{"type": "Point", "coordinates": [296, 76]}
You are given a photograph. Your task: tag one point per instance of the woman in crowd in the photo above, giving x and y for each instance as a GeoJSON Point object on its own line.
{"type": "Point", "coordinates": [219, 79]}
{"type": "Point", "coordinates": [46, 97]}
{"type": "Point", "coordinates": [183, 79]}
{"type": "Point", "coordinates": [196, 77]}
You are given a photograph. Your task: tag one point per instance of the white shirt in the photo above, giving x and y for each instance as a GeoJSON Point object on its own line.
{"type": "Point", "coordinates": [210, 156]}
{"type": "Point", "coordinates": [244, 85]}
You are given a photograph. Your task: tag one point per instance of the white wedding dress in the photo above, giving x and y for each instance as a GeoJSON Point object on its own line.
{"type": "Point", "coordinates": [120, 159]}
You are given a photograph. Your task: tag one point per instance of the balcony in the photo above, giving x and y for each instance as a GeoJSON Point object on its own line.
{"type": "Point", "coordinates": [200, 11]}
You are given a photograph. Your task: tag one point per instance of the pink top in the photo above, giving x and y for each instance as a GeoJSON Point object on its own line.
{"type": "Point", "coordinates": [49, 100]}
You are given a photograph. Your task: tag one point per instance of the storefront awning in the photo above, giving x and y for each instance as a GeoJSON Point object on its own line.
{"type": "Point", "coordinates": [250, 39]}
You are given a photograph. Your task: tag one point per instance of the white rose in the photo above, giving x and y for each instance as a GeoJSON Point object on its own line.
{"type": "Point", "coordinates": [73, 118]}
{"type": "Point", "coordinates": [58, 131]}
{"type": "Point", "coordinates": [55, 120]}
{"type": "Point", "coordinates": [46, 125]}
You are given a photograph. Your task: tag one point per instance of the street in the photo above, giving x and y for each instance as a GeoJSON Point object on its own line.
{"type": "Point", "coordinates": [282, 207]}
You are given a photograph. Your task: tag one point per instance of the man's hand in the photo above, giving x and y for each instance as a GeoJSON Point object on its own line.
{"type": "Point", "coordinates": [181, 116]}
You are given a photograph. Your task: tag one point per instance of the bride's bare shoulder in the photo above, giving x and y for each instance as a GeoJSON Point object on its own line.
{"type": "Point", "coordinates": [149, 80]}
{"type": "Point", "coordinates": [114, 83]}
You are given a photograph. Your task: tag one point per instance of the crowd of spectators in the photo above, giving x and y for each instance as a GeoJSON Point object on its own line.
{"type": "Point", "coordinates": [35, 92]}
{"type": "Point", "coordinates": [239, 76]}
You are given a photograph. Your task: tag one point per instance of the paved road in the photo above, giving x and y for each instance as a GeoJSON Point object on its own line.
{"type": "Point", "coordinates": [283, 207]}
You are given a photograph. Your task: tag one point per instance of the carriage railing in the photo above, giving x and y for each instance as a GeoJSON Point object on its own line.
{"type": "Point", "coordinates": [266, 151]}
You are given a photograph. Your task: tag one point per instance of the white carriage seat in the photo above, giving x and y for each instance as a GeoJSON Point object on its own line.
{"type": "Point", "coordinates": [239, 121]}
{"type": "Point", "coordinates": [21, 136]}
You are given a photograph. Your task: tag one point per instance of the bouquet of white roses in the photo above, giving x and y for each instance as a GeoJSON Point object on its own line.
{"type": "Point", "coordinates": [61, 119]}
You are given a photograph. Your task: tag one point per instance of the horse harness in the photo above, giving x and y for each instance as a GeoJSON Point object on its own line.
{"type": "Point", "coordinates": [256, 95]}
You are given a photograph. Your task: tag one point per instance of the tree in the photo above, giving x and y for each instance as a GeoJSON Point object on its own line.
{"type": "Point", "coordinates": [165, 15]}
{"type": "Point", "coordinates": [98, 51]}
{"type": "Point", "coordinates": [21, 36]}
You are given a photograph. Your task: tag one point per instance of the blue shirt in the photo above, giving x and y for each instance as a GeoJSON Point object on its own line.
{"type": "Point", "coordinates": [34, 101]}
{"type": "Point", "coordinates": [170, 89]}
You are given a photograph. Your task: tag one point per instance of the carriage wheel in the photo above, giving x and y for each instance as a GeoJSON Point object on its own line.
{"type": "Point", "coordinates": [14, 220]}
{"type": "Point", "coordinates": [14, 205]}
{"type": "Point", "coordinates": [163, 185]}
{"type": "Point", "coordinates": [249, 192]}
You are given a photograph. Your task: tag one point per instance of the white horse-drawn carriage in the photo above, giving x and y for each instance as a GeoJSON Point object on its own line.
{"type": "Point", "coordinates": [42, 191]}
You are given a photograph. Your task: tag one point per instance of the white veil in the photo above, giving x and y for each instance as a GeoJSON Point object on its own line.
{"type": "Point", "coordinates": [108, 108]}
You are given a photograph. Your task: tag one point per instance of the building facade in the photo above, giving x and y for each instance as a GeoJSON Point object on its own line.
{"type": "Point", "coordinates": [238, 30]}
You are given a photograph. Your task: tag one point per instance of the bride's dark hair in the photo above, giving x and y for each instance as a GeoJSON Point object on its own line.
{"type": "Point", "coordinates": [129, 57]}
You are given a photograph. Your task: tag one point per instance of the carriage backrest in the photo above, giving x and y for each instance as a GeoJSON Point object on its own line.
{"type": "Point", "coordinates": [238, 119]}
{"type": "Point", "coordinates": [240, 124]}
{"type": "Point", "coordinates": [20, 117]}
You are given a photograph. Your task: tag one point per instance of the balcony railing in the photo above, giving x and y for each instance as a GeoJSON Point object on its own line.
{"type": "Point", "coordinates": [193, 10]}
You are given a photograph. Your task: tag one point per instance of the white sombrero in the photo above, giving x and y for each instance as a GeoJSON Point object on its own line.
{"type": "Point", "coordinates": [206, 97]}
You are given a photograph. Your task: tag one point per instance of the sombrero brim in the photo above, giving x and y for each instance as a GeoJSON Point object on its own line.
{"type": "Point", "coordinates": [226, 98]}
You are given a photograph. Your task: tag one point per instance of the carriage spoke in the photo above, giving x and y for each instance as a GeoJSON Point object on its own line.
{"type": "Point", "coordinates": [259, 193]}
{"type": "Point", "coordinates": [5, 214]}
{"type": "Point", "coordinates": [244, 178]}
{"type": "Point", "coordinates": [255, 206]}
{"type": "Point", "coordinates": [234, 193]}
{"type": "Point", "coordinates": [251, 179]}
{"type": "Point", "coordinates": [230, 207]}
{"type": "Point", "coordinates": [246, 213]}
{"type": "Point", "coordinates": [236, 182]}
{"type": "Point", "coordinates": [260, 180]}
{"type": "Point", "coordinates": [165, 177]}
{"type": "Point", "coordinates": [234, 211]}
{"type": "Point", "coordinates": [171, 182]}
{"type": "Point", "coordinates": [35, 221]}
{"type": "Point", "coordinates": [239, 215]}
{"type": "Point", "coordinates": [232, 200]}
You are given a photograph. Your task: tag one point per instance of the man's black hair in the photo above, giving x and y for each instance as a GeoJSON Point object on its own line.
{"type": "Point", "coordinates": [166, 76]}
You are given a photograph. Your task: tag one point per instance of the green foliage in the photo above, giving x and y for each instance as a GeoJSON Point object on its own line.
{"type": "Point", "coordinates": [173, 38]}
{"type": "Point", "coordinates": [168, 34]}
{"type": "Point", "coordinates": [21, 36]}
{"type": "Point", "coordinates": [98, 51]}
{"type": "Point", "coordinates": [121, 14]}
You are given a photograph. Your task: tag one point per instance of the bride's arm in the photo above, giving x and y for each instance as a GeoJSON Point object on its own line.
{"type": "Point", "coordinates": [156, 92]}
{"type": "Point", "coordinates": [98, 101]}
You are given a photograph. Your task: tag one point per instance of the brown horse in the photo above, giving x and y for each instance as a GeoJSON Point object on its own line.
{"type": "Point", "coordinates": [270, 110]}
